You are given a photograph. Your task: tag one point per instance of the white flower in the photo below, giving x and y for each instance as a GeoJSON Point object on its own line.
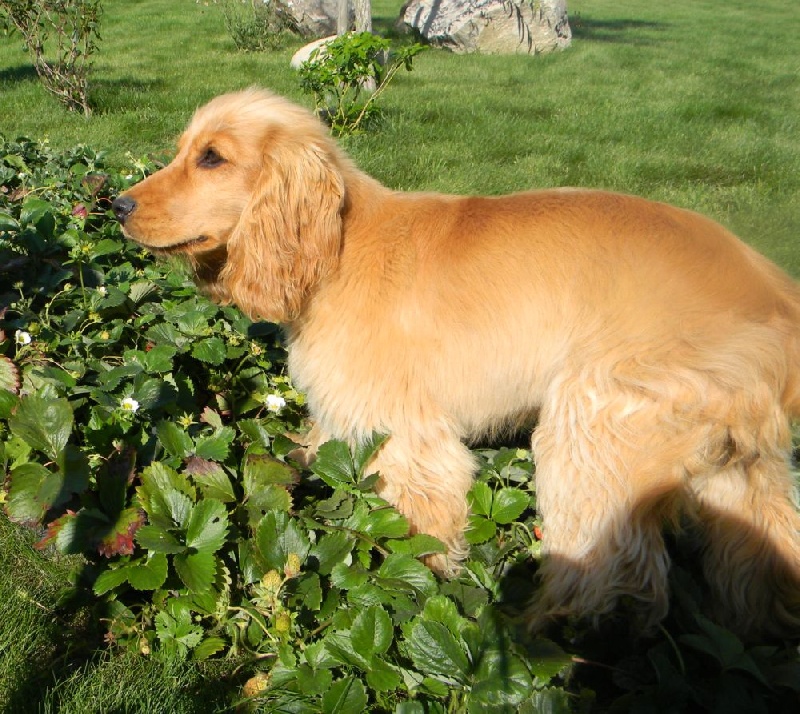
{"type": "Point", "coordinates": [129, 405]}
{"type": "Point", "coordinates": [275, 402]}
{"type": "Point", "coordinates": [22, 337]}
{"type": "Point", "coordinates": [102, 290]}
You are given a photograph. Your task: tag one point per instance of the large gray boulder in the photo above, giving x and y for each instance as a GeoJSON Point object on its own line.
{"type": "Point", "coordinates": [315, 18]}
{"type": "Point", "coordinates": [491, 26]}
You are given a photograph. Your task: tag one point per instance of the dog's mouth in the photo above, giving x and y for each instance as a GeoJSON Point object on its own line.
{"type": "Point", "coordinates": [179, 247]}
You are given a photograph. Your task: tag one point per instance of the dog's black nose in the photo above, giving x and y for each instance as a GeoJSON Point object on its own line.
{"type": "Point", "coordinates": [123, 206]}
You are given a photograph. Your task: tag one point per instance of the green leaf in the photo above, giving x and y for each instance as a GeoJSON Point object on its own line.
{"type": "Point", "coordinates": [159, 359]}
{"type": "Point", "coordinates": [196, 570]}
{"type": "Point", "coordinates": [211, 350]}
{"type": "Point", "coordinates": [212, 479]}
{"type": "Point", "coordinates": [174, 439]}
{"type": "Point", "coordinates": [24, 504]}
{"type": "Point", "coordinates": [382, 676]}
{"type": "Point", "coordinates": [480, 499]}
{"type": "Point", "coordinates": [279, 535]}
{"type": "Point", "coordinates": [508, 505]}
{"type": "Point", "coordinates": [334, 465]}
{"type": "Point", "coordinates": [417, 545]}
{"type": "Point", "coordinates": [479, 530]}
{"type": "Point", "coordinates": [157, 539]}
{"type": "Point", "coordinates": [372, 631]}
{"type": "Point", "coordinates": [331, 549]}
{"type": "Point", "coordinates": [501, 681]}
{"type": "Point", "coordinates": [216, 446]}
{"type": "Point", "coordinates": [209, 647]}
{"type": "Point", "coordinates": [436, 652]}
{"type": "Point", "coordinates": [262, 469]}
{"type": "Point", "coordinates": [207, 527]}
{"type": "Point", "coordinates": [110, 579]}
{"type": "Point", "coordinates": [179, 506]}
{"type": "Point", "coordinates": [546, 659]}
{"type": "Point", "coordinates": [409, 571]}
{"type": "Point", "coordinates": [148, 573]}
{"type": "Point", "coordinates": [386, 523]}
{"type": "Point", "coordinates": [43, 423]}
{"type": "Point", "coordinates": [345, 696]}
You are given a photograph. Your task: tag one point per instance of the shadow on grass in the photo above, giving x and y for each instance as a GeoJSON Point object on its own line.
{"type": "Point", "coordinates": [52, 651]}
{"type": "Point", "coordinates": [625, 31]}
{"type": "Point", "coordinates": [20, 73]}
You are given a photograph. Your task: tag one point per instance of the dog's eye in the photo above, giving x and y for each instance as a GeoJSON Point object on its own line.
{"type": "Point", "coordinates": [210, 159]}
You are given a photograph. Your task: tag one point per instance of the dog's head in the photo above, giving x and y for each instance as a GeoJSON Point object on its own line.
{"type": "Point", "coordinates": [253, 199]}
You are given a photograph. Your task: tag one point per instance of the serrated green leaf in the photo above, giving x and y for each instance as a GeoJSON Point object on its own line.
{"type": "Point", "coordinates": [23, 497]}
{"type": "Point", "coordinates": [383, 677]}
{"type": "Point", "coordinates": [262, 469]}
{"type": "Point", "coordinates": [508, 505]}
{"type": "Point", "coordinates": [9, 379]}
{"type": "Point", "coordinates": [148, 573]}
{"type": "Point", "coordinates": [479, 530]}
{"type": "Point", "coordinates": [211, 479]}
{"type": "Point", "coordinates": [216, 446]}
{"type": "Point", "coordinates": [207, 526]}
{"type": "Point", "coordinates": [436, 652]}
{"type": "Point", "coordinates": [372, 631]}
{"type": "Point", "coordinates": [110, 579]}
{"type": "Point", "coordinates": [160, 358]}
{"type": "Point", "coordinates": [365, 452]}
{"type": "Point", "coordinates": [480, 499]}
{"type": "Point", "coordinates": [279, 535]}
{"type": "Point", "coordinates": [417, 545]}
{"type": "Point", "coordinates": [331, 549]}
{"type": "Point", "coordinates": [386, 523]}
{"type": "Point", "coordinates": [546, 659]}
{"type": "Point", "coordinates": [196, 570]}
{"type": "Point", "coordinates": [501, 682]}
{"type": "Point", "coordinates": [270, 497]}
{"type": "Point", "coordinates": [313, 682]}
{"type": "Point", "coordinates": [409, 571]}
{"type": "Point", "coordinates": [158, 540]}
{"type": "Point", "coordinates": [345, 696]}
{"type": "Point", "coordinates": [43, 423]}
{"type": "Point", "coordinates": [208, 647]}
{"type": "Point", "coordinates": [176, 441]}
{"type": "Point", "coordinates": [210, 350]}
{"type": "Point", "coordinates": [334, 465]}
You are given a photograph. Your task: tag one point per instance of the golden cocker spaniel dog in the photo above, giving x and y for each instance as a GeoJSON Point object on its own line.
{"type": "Point", "coordinates": [659, 354]}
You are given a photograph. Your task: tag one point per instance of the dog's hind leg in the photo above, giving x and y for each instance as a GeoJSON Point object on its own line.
{"type": "Point", "coordinates": [748, 515]}
{"type": "Point", "coordinates": [426, 476]}
{"type": "Point", "coordinates": [607, 478]}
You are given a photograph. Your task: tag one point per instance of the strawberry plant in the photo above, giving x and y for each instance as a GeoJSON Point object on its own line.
{"type": "Point", "coordinates": [149, 430]}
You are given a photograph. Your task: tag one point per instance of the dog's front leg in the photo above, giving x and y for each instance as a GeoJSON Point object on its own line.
{"type": "Point", "coordinates": [426, 476]}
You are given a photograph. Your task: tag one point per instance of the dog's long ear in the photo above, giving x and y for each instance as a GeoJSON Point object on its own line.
{"type": "Point", "coordinates": [289, 235]}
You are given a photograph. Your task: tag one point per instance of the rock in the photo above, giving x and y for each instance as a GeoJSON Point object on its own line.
{"type": "Point", "coordinates": [491, 26]}
{"type": "Point", "coordinates": [315, 18]}
{"type": "Point", "coordinates": [304, 53]}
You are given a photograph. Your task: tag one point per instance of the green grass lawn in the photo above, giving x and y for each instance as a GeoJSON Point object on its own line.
{"type": "Point", "coordinates": [695, 102]}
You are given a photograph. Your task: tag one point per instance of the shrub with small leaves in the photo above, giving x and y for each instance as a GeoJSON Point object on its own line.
{"type": "Point", "coordinates": [348, 74]}
{"type": "Point", "coordinates": [61, 37]}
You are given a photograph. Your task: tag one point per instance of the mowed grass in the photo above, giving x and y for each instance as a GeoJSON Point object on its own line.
{"type": "Point", "coordinates": [695, 103]}
{"type": "Point", "coordinates": [692, 102]}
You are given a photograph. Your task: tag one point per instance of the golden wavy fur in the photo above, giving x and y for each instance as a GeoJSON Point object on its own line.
{"type": "Point", "coordinates": [658, 352]}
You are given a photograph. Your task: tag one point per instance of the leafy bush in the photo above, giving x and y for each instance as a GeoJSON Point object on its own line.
{"type": "Point", "coordinates": [146, 428]}
{"type": "Point", "coordinates": [68, 31]}
{"type": "Point", "coordinates": [258, 25]}
{"type": "Point", "coordinates": [348, 74]}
